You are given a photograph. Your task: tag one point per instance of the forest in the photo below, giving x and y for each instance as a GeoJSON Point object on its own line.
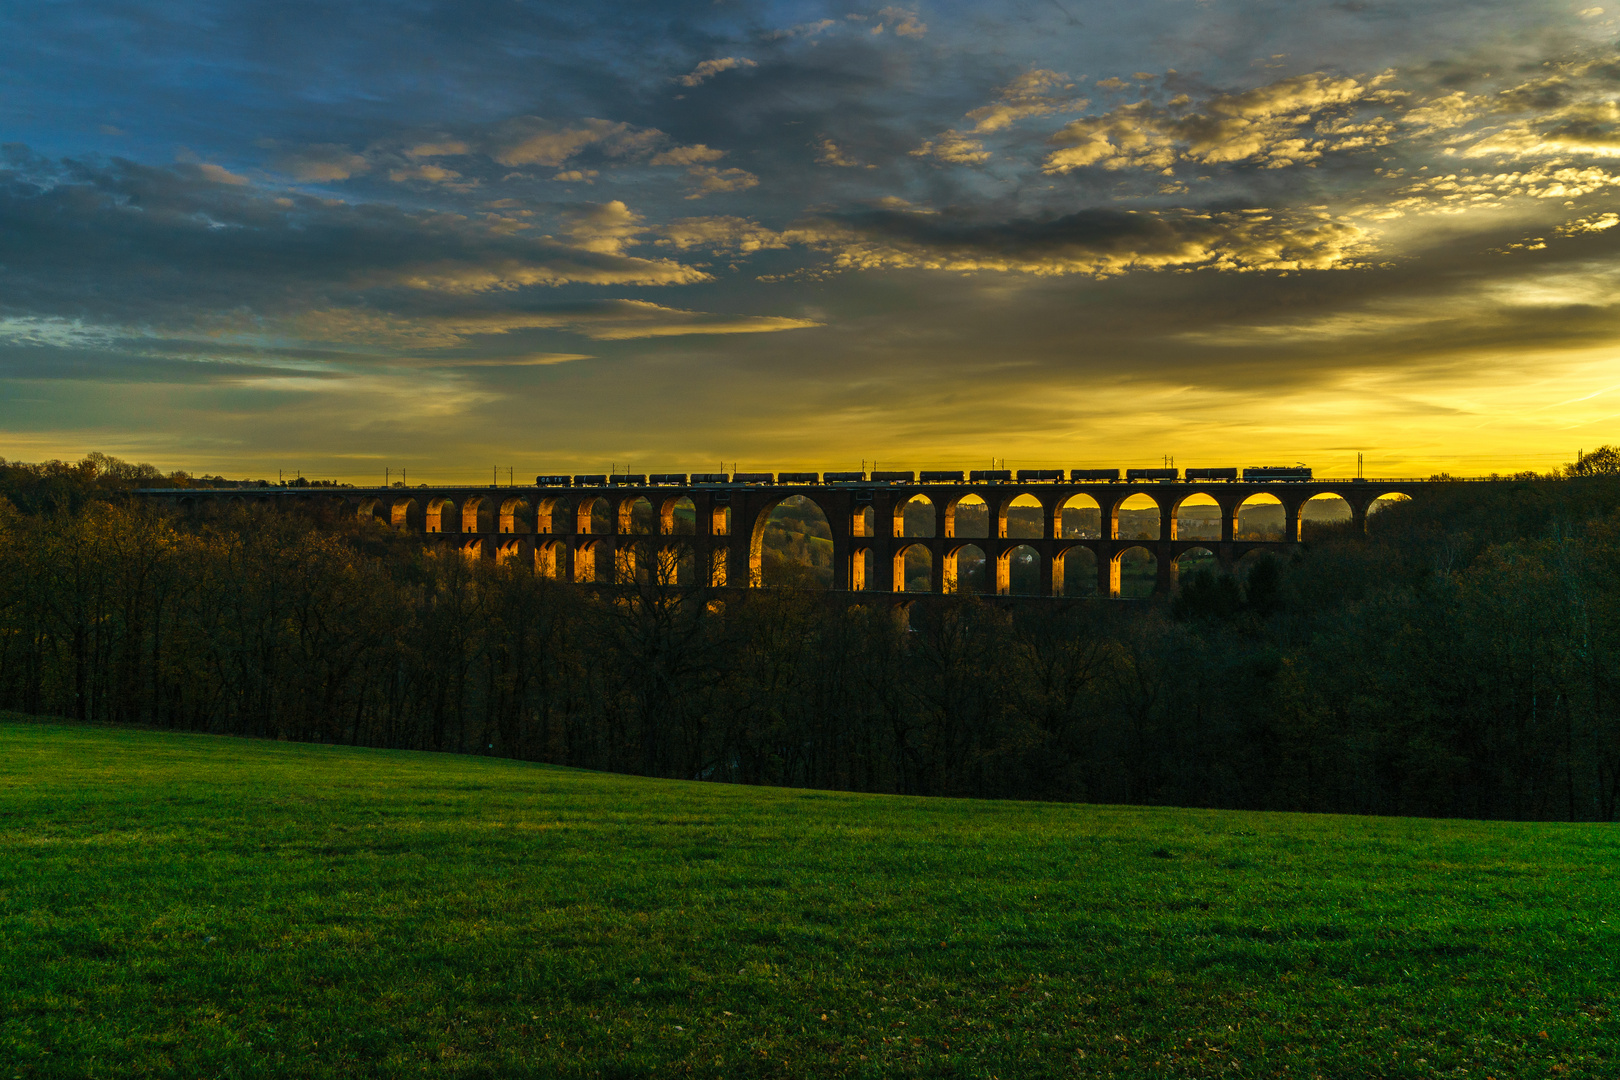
{"type": "Point", "coordinates": [1460, 660]}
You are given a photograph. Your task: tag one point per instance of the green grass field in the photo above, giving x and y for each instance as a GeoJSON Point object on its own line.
{"type": "Point", "coordinates": [191, 906]}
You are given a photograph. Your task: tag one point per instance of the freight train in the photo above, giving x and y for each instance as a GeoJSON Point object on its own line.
{"type": "Point", "coordinates": [1265, 474]}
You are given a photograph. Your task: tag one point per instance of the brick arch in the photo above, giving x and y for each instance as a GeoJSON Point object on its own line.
{"type": "Point", "coordinates": [1065, 573]}
{"type": "Point", "coordinates": [442, 512]}
{"type": "Point", "coordinates": [1004, 504]}
{"type": "Point", "coordinates": [369, 509]}
{"type": "Point", "coordinates": [479, 513]}
{"type": "Point", "coordinates": [407, 515]}
{"type": "Point", "coordinates": [516, 516]}
{"type": "Point", "coordinates": [585, 513]}
{"type": "Point", "coordinates": [1072, 497]}
{"type": "Point", "coordinates": [905, 499]}
{"type": "Point", "coordinates": [952, 529]}
{"type": "Point", "coordinates": [900, 552]}
{"type": "Point", "coordinates": [1110, 522]}
{"type": "Point", "coordinates": [1004, 567]}
{"type": "Point", "coordinates": [553, 559]}
{"type": "Point", "coordinates": [952, 573]}
{"type": "Point", "coordinates": [593, 560]}
{"type": "Point", "coordinates": [1364, 509]}
{"type": "Point", "coordinates": [1246, 497]}
{"type": "Point", "coordinates": [1117, 559]}
{"type": "Point", "coordinates": [666, 515]}
{"type": "Point", "coordinates": [1168, 520]}
{"type": "Point", "coordinates": [625, 514]}
{"type": "Point", "coordinates": [675, 564]}
{"type": "Point", "coordinates": [553, 516]}
{"type": "Point", "coordinates": [1208, 548]}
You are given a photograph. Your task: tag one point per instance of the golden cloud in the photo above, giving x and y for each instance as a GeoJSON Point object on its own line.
{"type": "Point", "coordinates": [720, 234]}
{"type": "Point", "coordinates": [906, 23]}
{"type": "Point", "coordinates": [1593, 224]}
{"type": "Point", "coordinates": [687, 155]}
{"type": "Point", "coordinates": [322, 162]}
{"type": "Point", "coordinates": [1586, 128]}
{"type": "Point", "coordinates": [1460, 192]}
{"type": "Point", "coordinates": [716, 181]}
{"type": "Point", "coordinates": [829, 153]}
{"type": "Point", "coordinates": [1097, 243]}
{"type": "Point", "coordinates": [433, 174]}
{"type": "Point", "coordinates": [220, 175]}
{"type": "Point", "coordinates": [532, 141]}
{"type": "Point", "coordinates": [559, 269]}
{"type": "Point", "coordinates": [1262, 124]}
{"type": "Point", "coordinates": [602, 227]}
{"type": "Point", "coordinates": [954, 147]}
{"type": "Point", "coordinates": [708, 69]}
{"type": "Point", "coordinates": [442, 148]}
{"type": "Point", "coordinates": [1034, 93]}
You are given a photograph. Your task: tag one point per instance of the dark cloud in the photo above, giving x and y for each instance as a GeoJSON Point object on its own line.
{"type": "Point", "coordinates": [1099, 242]}
{"type": "Point", "coordinates": [135, 243]}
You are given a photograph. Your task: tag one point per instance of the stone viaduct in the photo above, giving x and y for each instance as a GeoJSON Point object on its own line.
{"type": "Point", "coordinates": [585, 528]}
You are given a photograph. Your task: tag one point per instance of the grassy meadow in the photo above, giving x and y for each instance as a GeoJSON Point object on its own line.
{"type": "Point", "coordinates": [196, 906]}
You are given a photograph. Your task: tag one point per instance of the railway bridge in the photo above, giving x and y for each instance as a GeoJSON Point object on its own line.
{"type": "Point", "coordinates": [709, 528]}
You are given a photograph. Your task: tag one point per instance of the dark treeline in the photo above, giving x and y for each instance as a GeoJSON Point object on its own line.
{"type": "Point", "coordinates": [1462, 660]}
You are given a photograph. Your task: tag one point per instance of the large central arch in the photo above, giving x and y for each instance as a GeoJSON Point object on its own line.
{"type": "Point", "coordinates": [791, 544]}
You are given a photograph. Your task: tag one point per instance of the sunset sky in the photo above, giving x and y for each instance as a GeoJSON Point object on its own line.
{"type": "Point", "coordinates": [245, 237]}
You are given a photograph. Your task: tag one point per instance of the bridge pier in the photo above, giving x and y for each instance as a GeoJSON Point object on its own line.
{"type": "Point", "coordinates": [883, 543]}
{"type": "Point", "coordinates": [1358, 511]}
